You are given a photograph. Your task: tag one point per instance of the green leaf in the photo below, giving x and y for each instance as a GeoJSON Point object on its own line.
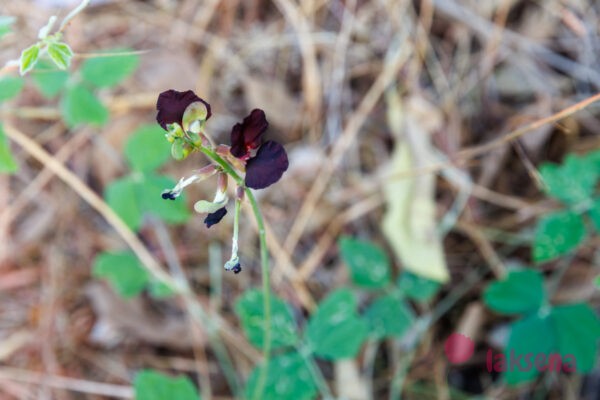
{"type": "Point", "coordinates": [528, 338]}
{"type": "Point", "coordinates": [249, 308]}
{"type": "Point", "coordinates": [135, 195]}
{"type": "Point", "coordinates": [5, 24]}
{"type": "Point", "coordinates": [388, 316]}
{"type": "Point", "coordinates": [369, 265]}
{"type": "Point", "coordinates": [29, 57]}
{"type": "Point", "coordinates": [417, 287]}
{"type": "Point", "coordinates": [335, 331]}
{"type": "Point", "coordinates": [109, 70]}
{"type": "Point", "coordinates": [61, 54]}
{"type": "Point", "coordinates": [48, 79]}
{"type": "Point", "coordinates": [159, 290]}
{"type": "Point", "coordinates": [121, 196]}
{"type": "Point", "coordinates": [577, 331]}
{"type": "Point", "coordinates": [123, 271]}
{"type": "Point", "coordinates": [595, 214]}
{"type": "Point", "coordinates": [149, 192]}
{"type": "Point", "coordinates": [592, 160]}
{"type": "Point", "coordinates": [518, 293]}
{"type": "Point", "coordinates": [147, 148]}
{"type": "Point", "coordinates": [152, 385]}
{"type": "Point", "coordinates": [10, 87]}
{"type": "Point", "coordinates": [557, 234]}
{"type": "Point", "coordinates": [80, 106]}
{"type": "Point", "coordinates": [7, 162]}
{"type": "Point", "coordinates": [288, 377]}
{"type": "Point", "coordinates": [573, 181]}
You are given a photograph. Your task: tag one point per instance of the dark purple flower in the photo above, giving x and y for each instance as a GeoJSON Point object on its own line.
{"type": "Point", "coordinates": [171, 105]}
{"type": "Point", "coordinates": [216, 217]}
{"type": "Point", "coordinates": [246, 136]}
{"type": "Point", "coordinates": [267, 166]}
{"type": "Point", "coordinates": [270, 161]}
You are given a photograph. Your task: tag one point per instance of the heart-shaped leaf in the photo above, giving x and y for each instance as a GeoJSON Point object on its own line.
{"type": "Point", "coordinates": [518, 293]}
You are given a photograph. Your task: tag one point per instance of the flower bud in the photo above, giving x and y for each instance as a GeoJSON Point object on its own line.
{"type": "Point", "coordinates": [201, 174]}
{"type": "Point", "coordinates": [239, 193]}
{"type": "Point", "coordinates": [187, 149]}
{"type": "Point", "coordinates": [222, 182]}
{"type": "Point", "coordinates": [174, 130]}
{"type": "Point", "coordinates": [233, 265]}
{"type": "Point", "coordinates": [177, 150]}
{"type": "Point", "coordinates": [194, 116]}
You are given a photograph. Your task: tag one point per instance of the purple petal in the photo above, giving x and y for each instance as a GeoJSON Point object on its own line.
{"type": "Point", "coordinates": [216, 217]}
{"type": "Point", "coordinates": [246, 136]}
{"type": "Point", "coordinates": [267, 166]}
{"type": "Point", "coordinates": [171, 105]}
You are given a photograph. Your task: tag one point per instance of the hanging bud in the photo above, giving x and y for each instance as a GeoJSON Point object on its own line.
{"type": "Point", "coordinates": [232, 264]}
{"type": "Point", "coordinates": [200, 175]}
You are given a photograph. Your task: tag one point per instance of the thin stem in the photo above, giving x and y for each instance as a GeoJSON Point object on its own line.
{"type": "Point", "coordinates": [236, 228]}
{"type": "Point", "coordinates": [315, 372]}
{"type": "Point", "coordinates": [264, 262]}
{"type": "Point", "coordinates": [210, 153]}
{"type": "Point", "coordinates": [72, 14]}
{"type": "Point", "coordinates": [264, 258]}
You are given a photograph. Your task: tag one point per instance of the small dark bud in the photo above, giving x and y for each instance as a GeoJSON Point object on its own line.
{"type": "Point", "coordinates": [237, 269]}
{"type": "Point", "coordinates": [168, 195]}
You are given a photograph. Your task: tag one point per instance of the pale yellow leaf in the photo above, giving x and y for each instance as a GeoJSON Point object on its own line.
{"type": "Point", "coordinates": [409, 223]}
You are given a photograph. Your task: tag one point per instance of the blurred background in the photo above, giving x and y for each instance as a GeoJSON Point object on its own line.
{"type": "Point", "coordinates": [396, 117]}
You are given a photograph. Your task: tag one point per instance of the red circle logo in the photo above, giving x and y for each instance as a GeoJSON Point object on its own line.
{"type": "Point", "coordinates": [458, 348]}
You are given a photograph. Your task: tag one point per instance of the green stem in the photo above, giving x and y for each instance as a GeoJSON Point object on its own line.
{"type": "Point", "coordinates": [264, 258]}
{"type": "Point", "coordinates": [264, 262]}
{"type": "Point", "coordinates": [227, 168]}
{"type": "Point", "coordinates": [317, 376]}
{"type": "Point", "coordinates": [236, 224]}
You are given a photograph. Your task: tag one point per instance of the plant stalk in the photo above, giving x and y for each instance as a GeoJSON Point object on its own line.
{"type": "Point", "coordinates": [264, 262]}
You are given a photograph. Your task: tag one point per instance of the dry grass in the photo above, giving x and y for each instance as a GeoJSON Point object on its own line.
{"type": "Point", "coordinates": [513, 83]}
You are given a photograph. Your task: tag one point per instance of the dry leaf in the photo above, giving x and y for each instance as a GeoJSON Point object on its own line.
{"type": "Point", "coordinates": [118, 319]}
{"type": "Point", "coordinates": [409, 223]}
{"type": "Point", "coordinates": [349, 384]}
